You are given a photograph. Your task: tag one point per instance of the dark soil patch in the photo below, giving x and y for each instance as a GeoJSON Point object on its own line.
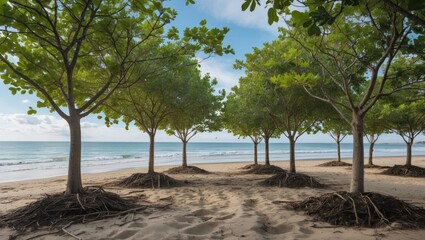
{"type": "Point", "coordinates": [264, 169]}
{"type": "Point", "coordinates": [405, 171]}
{"type": "Point", "coordinates": [292, 180]}
{"type": "Point", "coordinates": [365, 210]}
{"type": "Point", "coordinates": [187, 170]}
{"type": "Point", "coordinates": [249, 166]}
{"type": "Point", "coordinates": [148, 180]}
{"type": "Point", "coordinates": [60, 209]}
{"type": "Point", "coordinates": [374, 166]}
{"type": "Point", "coordinates": [334, 164]}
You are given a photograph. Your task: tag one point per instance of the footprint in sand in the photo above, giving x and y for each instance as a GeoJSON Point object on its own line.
{"type": "Point", "coordinates": [202, 228]}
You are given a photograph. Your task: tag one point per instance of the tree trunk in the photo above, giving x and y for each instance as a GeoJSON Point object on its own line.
{"type": "Point", "coordinates": [409, 152]}
{"type": "Point", "coordinates": [255, 153]}
{"type": "Point", "coordinates": [357, 177]}
{"type": "Point", "coordinates": [151, 152]}
{"type": "Point", "coordinates": [371, 145]}
{"type": "Point", "coordinates": [267, 155]}
{"type": "Point", "coordinates": [184, 155]}
{"type": "Point", "coordinates": [292, 154]}
{"type": "Point", "coordinates": [338, 146]}
{"type": "Point", "coordinates": [74, 184]}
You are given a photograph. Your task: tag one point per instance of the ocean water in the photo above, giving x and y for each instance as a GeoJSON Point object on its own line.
{"type": "Point", "coordinates": [33, 160]}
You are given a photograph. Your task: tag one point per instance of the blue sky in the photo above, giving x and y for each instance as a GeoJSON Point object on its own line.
{"type": "Point", "coordinates": [247, 30]}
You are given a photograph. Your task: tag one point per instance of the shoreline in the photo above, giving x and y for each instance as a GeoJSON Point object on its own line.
{"type": "Point", "coordinates": [158, 167]}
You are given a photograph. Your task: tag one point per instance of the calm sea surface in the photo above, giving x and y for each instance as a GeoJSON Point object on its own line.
{"type": "Point", "coordinates": [33, 160]}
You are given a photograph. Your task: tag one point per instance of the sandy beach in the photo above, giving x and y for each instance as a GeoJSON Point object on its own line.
{"type": "Point", "coordinates": [223, 205]}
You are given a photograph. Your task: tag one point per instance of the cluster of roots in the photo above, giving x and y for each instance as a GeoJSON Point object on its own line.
{"type": "Point", "coordinates": [249, 166]}
{"type": "Point", "coordinates": [148, 180]}
{"type": "Point", "coordinates": [404, 170]}
{"type": "Point", "coordinates": [335, 164]}
{"type": "Point", "coordinates": [60, 209]}
{"type": "Point", "coordinates": [292, 180]}
{"type": "Point", "coordinates": [187, 170]}
{"type": "Point", "coordinates": [264, 169]}
{"type": "Point", "coordinates": [365, 210]}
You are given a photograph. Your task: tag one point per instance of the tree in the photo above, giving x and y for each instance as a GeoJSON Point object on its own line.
{"type": "Point", "coordinates": [198, 110]}
{"type": "Point", "coordinates": [360, 46]}
{"type": "Point", "coordinates": [150, 102]}
{"type": "Point", "coordinates": [240, 120]}
{"type": "Point", "coordinates": [75, 54]}
{"type": "Point", "coordinates": [290, 107]}
{"type": "Point", "coordinates": [373, 129]}
{"type": "Point", "coordinates": [326, 12]}
{"type": "Point", "coordinates": [337, 128]}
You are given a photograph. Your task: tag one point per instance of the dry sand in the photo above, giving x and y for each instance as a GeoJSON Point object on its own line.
{"type": "Point", "coordinates": [224, 205]}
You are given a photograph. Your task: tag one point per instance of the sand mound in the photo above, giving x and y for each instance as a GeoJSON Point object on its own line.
{"type": "Point", "coordinates": [407, 171]}
{"type": "Point", "coordinates": [148, 180]}
{"type": "Point", "coordinates": [366, 210]}
{"type": "Point", "coordinates": [59, 209]}
{"type": "Point", "coordinates": [187, 170]}
{"type": "Point", "coordinates": [334, 164]}
{"type": "Point", "coordinates": [264, 169]}
{"type": "Point", "coordinates": [249, 166]}
{"type": "Point", "coordinates": [292, 180]}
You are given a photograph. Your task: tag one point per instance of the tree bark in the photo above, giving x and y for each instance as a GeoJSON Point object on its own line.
{"type": "Point", "coordinates": [151, 152]}
{"type": "Point", "coordinates": [184, 155]}
{"type": "Point", "coordinates": [371, 146]}
{"type": "Point", "coordinates": [357, 177]}
{"type": "Point", "coordinates": [409, 152]}
{"type": "Point", "coordinates": [267, 155]}
{"type": "Point", "coordinates": [74, 184]}
{"type": "Point", "coordinates": [338, 146]}
{"type": "Point", "coordinates": [255, 153]}
{"type": "Point", "coordinates": [292, 154]}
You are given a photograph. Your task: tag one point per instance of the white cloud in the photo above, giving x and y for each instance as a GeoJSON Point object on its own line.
{"type": "Point", "coordinates": [25, 101]}
{"type": "Point", "coordinates": [230, 11]}
{"type": "Point", "coordinates": [226, 76]}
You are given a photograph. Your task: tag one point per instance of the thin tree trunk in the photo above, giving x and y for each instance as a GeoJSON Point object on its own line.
{"type": "Point", "coordinates": [338, 145]}
{"type": "Point", "coordinates": [357, 179]}
{"type": "Point", "coordinates": [267, 155]}
{"type": "Point", "coordinates": [74, 184]}
{"type": "Point", "coordinates": [292, 154]}
{"type": "Point", "coordinates": [371, 146]}
{"type": "Point", "coordinates": [184, 155]}
{"type": "Point", "coordinates": [409, 152]}
{"type": "Point", "coordinates": [255, 153]}
{"type": "Point", "coordinates": [151, 152]}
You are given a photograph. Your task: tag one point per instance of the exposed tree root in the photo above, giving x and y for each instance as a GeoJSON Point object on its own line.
{"type": "Point", "coordinates": [292, 180]}
{"type": "Point", "coordinates": [407, 171]}
{"type": "Point", "coordinates": [60, 209]}
{"type": "Point", "coordinates": [187, 170]}
{"type": "Point", "coordinates": [334, 164]}
{"type": "Point", "coordinates": [366, 210]}
{"type": "Point", "coordinates": [264, 169]}
{"type": "Point", "coordinates": [148, 180]}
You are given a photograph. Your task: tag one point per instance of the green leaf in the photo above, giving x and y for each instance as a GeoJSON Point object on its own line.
{"type": "Point", "coordinates": [31, 111]}
{"type": "Point", "coordinates": [313, 30]}
{"type": "Point", "coordinates": [252, 8]}
{"type": "Point", "coordinates": [272, 15]}
{"type": "Point", "coordinates": [246, 4]}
